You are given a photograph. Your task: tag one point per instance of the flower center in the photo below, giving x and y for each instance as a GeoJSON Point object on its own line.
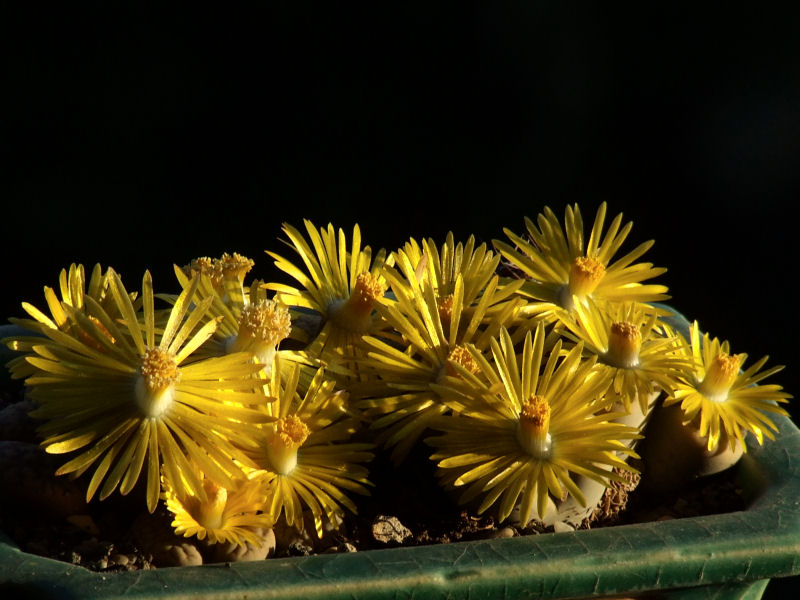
{"type": "Point", "coordinates": [234, 266]}
{"type": "Point", "coordinates": [155, 384]}
{"type": "Point", "coordinates": [584, 275]}
{"type": "Point", "coordinates": [533, 428]}
{"type": "Point", "coordinates": [230, 267]}
{"type": "Point", "coordinates": [91, 341]}
{"type": "Point", "coordinates": [210, 513]}
{"type": "Point", "coordinates": [720, 375]}
{"type": "Point", "coordinates": [205, 266]}
{"type": "Point", "coordinates": [290, 433]}
{"type": "Point", "coordinates": [367, 289]}
{"type": "Point", "coordinates": [445, 306]}
{"type": "Point", "coordinates": [624, 343]}
{"type": "Point", "coordinates": [354, 314]}
{"type": "Point", "coordinates": [262, 326]}
{"type": "Point", "coordinates": [462, 356]}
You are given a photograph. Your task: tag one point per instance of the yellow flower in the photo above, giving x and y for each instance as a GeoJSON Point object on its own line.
{"type": "Point", "coordinates": [637, 354]}
{"type": "Point", "coordinates": [230, 515]}
{"type": "Point", "coordinates": [307, 453]}
{"type": "Point", "coordinates": [73, 289]}
{"type": "Point", "coordinates": [225, 274]}
{"type": "Point", "coordinates": [560, 265]}
{"type": "Point", "coordinates": [121, 393]}
{"type": "Point", "coordinates": [726, 399]}
{"type": "Point", "coordinates": [443, 301]}
{"type": "Point", "coordinates": [342, 286]}
{"type": "Point", "coordinates": [525, 426]}
{"type": "Point", "coordinates": [429, 266]}
{"type": "Point", "coordinates": [248, 321]}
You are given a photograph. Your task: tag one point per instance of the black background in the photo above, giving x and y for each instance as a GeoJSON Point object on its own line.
{"type": "Point", "coordinates": [139, 138]}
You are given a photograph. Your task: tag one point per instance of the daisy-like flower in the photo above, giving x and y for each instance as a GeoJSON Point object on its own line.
{"type": "Point", "coordinates": [341, 285]}
{"type": "Point", "coordinates": [526, 427]}
{"type": "Point", "coordinates": [727, 401]}
{"type": "Point", "coordinates": [225, 274]}
{"type": "Point", "coordinates": [247, 322]}
{"type": "Point", "coordinates": [232, 515]}
{"type": "Point", "coordinates": [443, 301]}
{"type": "Point", "coordinates": [73, 288]}
{"type": "Point", "coordinates": [307, 453]}
{"type": "Point", "coordinates": [560, 265]}
{"type": "Point", "coordinates": [439, 269]}
{"type": "Point", "coordinates": [637, 354]}
{"type": "Point", "coordinates": [129, 396]}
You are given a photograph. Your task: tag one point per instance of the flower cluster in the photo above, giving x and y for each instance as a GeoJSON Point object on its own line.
{"type": "Point", "coordinates": [530, 368]}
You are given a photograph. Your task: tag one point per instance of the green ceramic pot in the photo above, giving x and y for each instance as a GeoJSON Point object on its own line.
{"type": "Point", "coordinates": [731, 555]}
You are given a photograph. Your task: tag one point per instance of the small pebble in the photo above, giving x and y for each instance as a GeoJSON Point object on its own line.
{"type": "Point", "coordinates": [389, 530]}
{"type": "Point", "coordinates": [504, 532]}
{"type": "Point", "coordinates": [119, 559]}
{"type": "Point", "coordinates": [299, 549]}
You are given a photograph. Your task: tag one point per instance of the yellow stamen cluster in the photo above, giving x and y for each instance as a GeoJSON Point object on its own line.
{"type": "Point", "coordinates": [534, 425]}
{"type": "Point", "coordinates": [445, 306]}
{"type": "Point", "coordinates": [535, 414]}
{"type": "Point", "coordinates": [290, 434]}
{"type": "Point", "coordinates": [155, 384]}
{"type": "Point", "coordinates": [262, 326]}
{"type": "Point", "coordinates": [292, 431]}
{"type": "Point", "coordinates": [624, 344]}
{"type": "Point", "coordinates": [367, 289]}
{"type": "Point", "coordinates": [265, 321]}
{"type": "Point", "coordinates": [462, 356]}
{"type": "Point", "coordinates": [87, 339]}
{"type": "Point", "coordinates": [102, 328]}
{"type": "Point", "coordinates": [355, 313]}
{"type": "Point", "coordinates": [204, 266]}
{"type": "Point", "coordinates": [720, 375]}
{"type": "Point", "coordinates": [234, 266]}
{"type": "Point", "coordinates": [584, 275]}
{"type": "Point", "coordinates": [159, 370]}
{"type": "Point", "coordinates": [229, 267]}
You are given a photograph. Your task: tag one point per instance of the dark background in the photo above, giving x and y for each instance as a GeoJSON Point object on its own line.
{"type": "Point", "coordinates": [140, 138]}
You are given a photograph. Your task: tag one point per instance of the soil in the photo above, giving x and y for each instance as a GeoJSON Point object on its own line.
{"type": "Point", "coordinates": [406, 508]}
